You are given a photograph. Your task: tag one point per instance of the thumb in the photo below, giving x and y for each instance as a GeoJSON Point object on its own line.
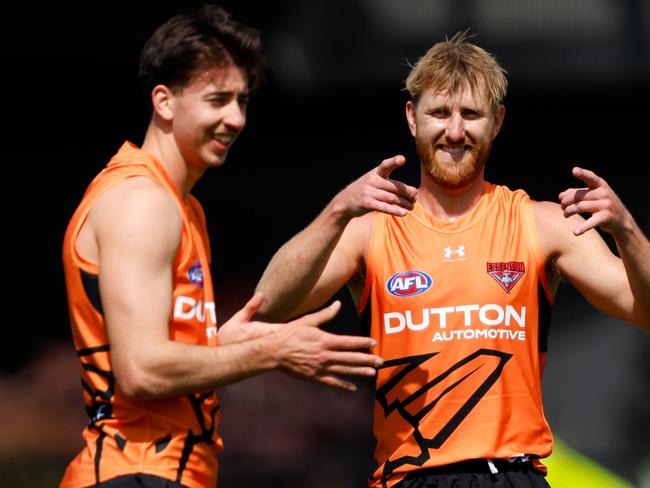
{"type": "Point", "coordinates": [387, 166]}
{"type": "Point", "coordinates": [252, 306]}
{"type": "Point", "coordinates": [317, 318]}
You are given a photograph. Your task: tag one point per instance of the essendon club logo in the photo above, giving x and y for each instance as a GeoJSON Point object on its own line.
{"type": "Point", "coordinates": [506, 274]}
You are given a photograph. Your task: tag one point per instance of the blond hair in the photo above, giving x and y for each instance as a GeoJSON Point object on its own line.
{"type": "Point", "coordinates": [451, 65]}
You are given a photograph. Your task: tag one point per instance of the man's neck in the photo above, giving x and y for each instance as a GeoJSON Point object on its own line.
{"type": "Point", "coordinates": [162, 146]}
{"type": "Point", "coordinates": [446, 203]}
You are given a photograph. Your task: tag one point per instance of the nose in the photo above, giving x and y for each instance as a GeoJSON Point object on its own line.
{"type": "Point", "coordinates": [235, 117]}
{"type": "Point", "coordinates": [455, 127]}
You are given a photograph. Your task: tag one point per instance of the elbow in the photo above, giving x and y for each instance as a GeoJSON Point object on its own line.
{"type": "Point", "coordinates": [273, 315]}
{"type": "Point", "coordinates": [136, 384]}
{"type": "Point", "coordinates": [268, 309]}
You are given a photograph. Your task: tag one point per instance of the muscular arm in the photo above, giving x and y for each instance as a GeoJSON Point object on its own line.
{"type": "Point", "coordinates": [617, 286]}
{"type": "Point", "coordinates": [137, 229]}
{"type": "Point", "coordinates": [319, 260]}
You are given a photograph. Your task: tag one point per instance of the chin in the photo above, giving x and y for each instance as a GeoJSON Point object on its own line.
{"type": "Point", "coordinates": [214, 160]}
{"type": "Point", "coordinates": [453, 176]}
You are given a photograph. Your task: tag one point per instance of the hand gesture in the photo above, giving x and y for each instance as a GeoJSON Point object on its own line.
{"type": "Point", "coordinates": [376, 191]}
{"type": "Point", "coordinates": [598, 199]}
{"type": "Point", "coordinates": [309, 353]}
{"type": "Point", "coordinates": [241, 328]}
{"type": "Point", "coordinates": [302, 349]}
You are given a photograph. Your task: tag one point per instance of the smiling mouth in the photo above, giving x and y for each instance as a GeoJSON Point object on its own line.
{"type": "Point", "coordinates": [224, 139]}
{"type": "Point", "coordinates": [453, 150]}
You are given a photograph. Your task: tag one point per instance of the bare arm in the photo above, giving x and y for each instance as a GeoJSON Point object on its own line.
{"type": "Point", "coordinates": [137, 229]}
{"type": "Point", "coordinates": [617, 286]}
{"type": "Point", "coordinates": [319, 260]}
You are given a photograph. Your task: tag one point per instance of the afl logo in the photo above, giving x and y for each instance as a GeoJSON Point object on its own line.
{"type": "Point", "coordinates": [195, 274]}
{"type": "Point", "coordinates": [408, 283]}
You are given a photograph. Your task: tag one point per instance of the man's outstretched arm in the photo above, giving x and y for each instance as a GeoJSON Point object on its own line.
{"type": "Point", "coordinates": [617, 286]}
{"type": "Point", "coordinates": [136, 255]}
{"type": "Point", "coordinates": [320, 259]}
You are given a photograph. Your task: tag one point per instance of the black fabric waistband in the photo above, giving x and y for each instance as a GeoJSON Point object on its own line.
{"type": "Point", "coordinates": [474, 466]}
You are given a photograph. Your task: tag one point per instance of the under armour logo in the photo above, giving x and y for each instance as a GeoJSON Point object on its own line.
{"type": "Point", "coordinates": [454, 253]}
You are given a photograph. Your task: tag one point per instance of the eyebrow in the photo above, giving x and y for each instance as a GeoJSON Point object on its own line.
{"type": "Point", "coordinates": [227, 93]}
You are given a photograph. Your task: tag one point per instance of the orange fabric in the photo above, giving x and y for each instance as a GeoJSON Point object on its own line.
{"type": "Point", "coordinates": [176, 437]}
{"type": "Point", "coordinates": [455, 308]}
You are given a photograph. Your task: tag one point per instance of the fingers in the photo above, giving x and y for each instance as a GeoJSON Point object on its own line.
{"type": "Point", "coordinates": [335, 382]}
{"type": "Point", "coordinates": [348, 342]}
{"type": "Point", "coordinates": [598, 199]}
{"type": "Point", "coordinates": [589, 177]}
{"type": "Point", "coordinates": [406, 193]}
{"type": "Point", "coordinates": [317, 318]}
{"type": "Point", "coordinates": [393, 186]}
{"type": "Point", "coordinates": [584, 206]}
{"type": "Point", "coordinates": [572, 195]}
{"type": "Point", "coordinates": [390, 203]}
{"type": "Point", "coordinates": [387, 166]}
{"type": "Point", "coordinates": [365, 372]}
{"type": "Point", "coordinates": [250, 309]}
{"type": "Point", "coordinates": [591, 223]}
{"type": "Point", "coordinates": [592, 180]}
{"type": "Point", "coordinates": [389, 196]}
{"type": "Point", "coordinates": [353, 359]}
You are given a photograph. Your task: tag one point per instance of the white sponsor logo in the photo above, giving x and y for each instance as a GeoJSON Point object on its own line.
{"type": "Point", "coordinates": [473, 315]}
{"type": "Point", "coordinates": [453, 254]}
{"type": "Point", "coordinates": [187, 308]}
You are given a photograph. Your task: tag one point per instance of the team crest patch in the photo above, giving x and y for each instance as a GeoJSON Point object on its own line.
{"type": "Point", "coordinates": [408, 283]}
{"type": "Point", "coordinates": [506, 274]}
{"type": "Point", "coordinates": [195, 274]}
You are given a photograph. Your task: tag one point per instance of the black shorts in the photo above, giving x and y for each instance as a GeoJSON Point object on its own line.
{"type": "Point", "coordinates": [139, 481]}
{"type": "Point", "coordinates": [476, 474]}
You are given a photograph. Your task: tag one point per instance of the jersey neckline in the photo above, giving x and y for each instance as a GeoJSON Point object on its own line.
{"type": "Point", "coordinates": [463, 222]}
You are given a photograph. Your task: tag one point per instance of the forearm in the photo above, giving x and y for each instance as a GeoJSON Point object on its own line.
{"type": "Point", "coordinates": [295, 269]}
{"type": "Point", "coordinates": [172, 368]}
{"type": "Point", "coordinates": [634, 250]}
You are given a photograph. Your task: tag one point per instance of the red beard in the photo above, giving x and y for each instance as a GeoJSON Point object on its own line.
{"type": "Point", "coordinates": [452, 175]}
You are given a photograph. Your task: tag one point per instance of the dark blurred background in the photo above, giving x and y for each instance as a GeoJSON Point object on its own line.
{"type": "Point", "coordinates": [332, 108]}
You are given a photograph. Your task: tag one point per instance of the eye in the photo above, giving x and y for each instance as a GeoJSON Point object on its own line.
{"type": "Point", "coordinates": [439, 113]}
{"type": "Point", "coordinates": [469, 114]}
{"type": "Point", "coordinates": [218, 100]}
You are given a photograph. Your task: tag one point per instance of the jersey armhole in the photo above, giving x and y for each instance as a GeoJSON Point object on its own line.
{"type": "Point", "coordinates": [530, 228]}
{"type": "Point", "coordinates": [85, 265]}
{"type": "Point", "coordinates": [373, 248]}
{"type": "Point", "coordinates": [92, 267]}
{"type": "Point", "coordinates": [197, 209]}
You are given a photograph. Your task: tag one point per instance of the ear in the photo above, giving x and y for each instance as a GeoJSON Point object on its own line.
{"type": "Point", "coordinates": [162, 100]}
{"type": "Point", "coordinates": [410, 117]}
{"type": "Point", "coordinates": [498, 120]}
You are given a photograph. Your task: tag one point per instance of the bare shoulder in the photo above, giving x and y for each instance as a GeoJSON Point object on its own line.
{"type": "Point", "coordinates": [356, 237]}
{"type": "Point", "coordinates": [555, 231]}
{"type": "Point", "coordinates": [361, 227]}
{"type": "Point", "coordinates": [136, 210]}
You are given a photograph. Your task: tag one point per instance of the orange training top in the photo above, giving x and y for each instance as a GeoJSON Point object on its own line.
{"type": "Point", "coordinates": [460, 313]}
{"type": "Point", "coordinates": [176, 437]}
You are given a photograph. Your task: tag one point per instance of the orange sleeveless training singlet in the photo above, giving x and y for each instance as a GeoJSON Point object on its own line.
{"type": "Point", "coordinates": [460, 312]}
{"type": "Point", "coordinates": [174, 438]}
